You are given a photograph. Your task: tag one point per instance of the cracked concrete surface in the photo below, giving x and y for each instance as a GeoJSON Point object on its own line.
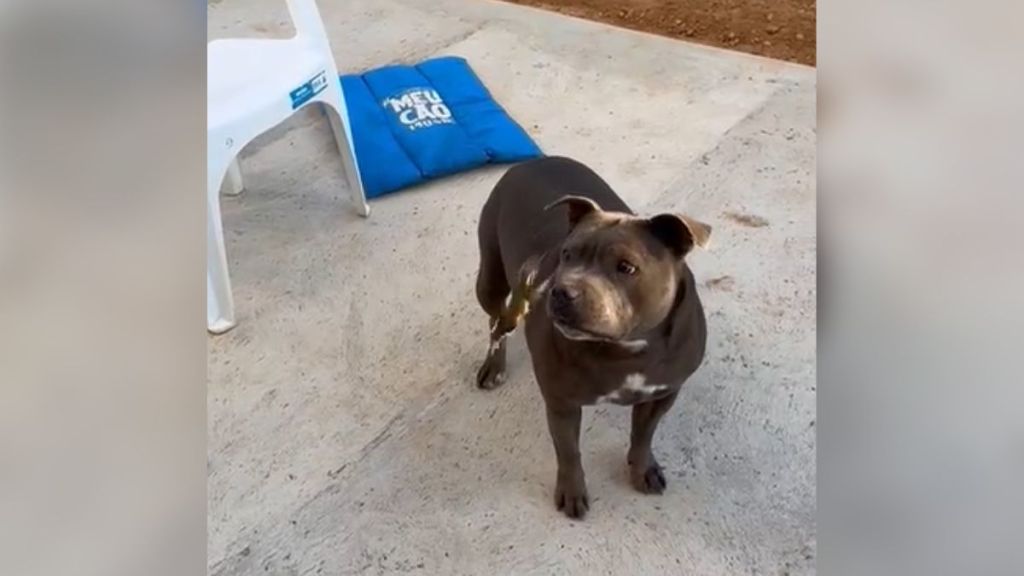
{"type": "Point", "coordinates": [345, 433]}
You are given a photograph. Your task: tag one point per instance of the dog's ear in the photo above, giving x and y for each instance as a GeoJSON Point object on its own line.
{"type": "Point", "coordinates": [680, 233]}
{"type": "Point", "coordinates": [578, 207]}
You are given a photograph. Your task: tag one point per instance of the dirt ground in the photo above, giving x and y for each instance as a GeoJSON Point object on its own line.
{"type": "Point", "coordinates": [783, 29]}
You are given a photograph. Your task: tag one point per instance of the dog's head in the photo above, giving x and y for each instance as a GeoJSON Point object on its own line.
{"type": "Point", "coordinates": [618, 274]}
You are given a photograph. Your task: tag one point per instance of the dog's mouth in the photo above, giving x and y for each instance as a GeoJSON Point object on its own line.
{"type": "Point", "coordinates": [567, 322]}
{"type": "Point", "coordinates": [580, 335]}
{"type": "Point", "coordinates": [574, 333]}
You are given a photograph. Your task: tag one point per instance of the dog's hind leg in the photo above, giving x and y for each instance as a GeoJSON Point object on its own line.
{"type": "Point", "coordinates": [491, 373]}
{"type": "Point", "coordinates": [492, 291]}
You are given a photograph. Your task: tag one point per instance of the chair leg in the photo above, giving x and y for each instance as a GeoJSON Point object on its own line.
{"type": "Point", "coordinates": [234, 179]}
{"type": "Point", "coordinates": [220, 307]}
{"type": "Point", "coordinates": [338, 117]}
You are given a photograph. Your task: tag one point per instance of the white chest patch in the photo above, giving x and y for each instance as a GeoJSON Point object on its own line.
{"type": "Point", "coordinates": [634, 388]}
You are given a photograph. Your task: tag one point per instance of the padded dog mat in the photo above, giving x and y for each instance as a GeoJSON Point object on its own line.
{"type": "Point", "coordinates": [416, 123]}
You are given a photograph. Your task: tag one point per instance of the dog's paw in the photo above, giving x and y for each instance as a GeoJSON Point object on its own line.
{"type": "Point", "coordinates": [572, 499]}
{"type": "Point", "coordinates": [491, 373]}
{"type": "Point", "coordinates": [649, 480]}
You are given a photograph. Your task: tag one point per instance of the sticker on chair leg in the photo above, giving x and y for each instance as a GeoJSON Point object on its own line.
{"type": "Point", "coordinates": [304, 93]}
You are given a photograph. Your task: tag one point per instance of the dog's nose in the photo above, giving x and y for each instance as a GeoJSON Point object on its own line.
{"type": "Point", "coordinates": [563, 296]}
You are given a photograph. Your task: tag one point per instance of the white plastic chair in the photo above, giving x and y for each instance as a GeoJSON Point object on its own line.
{"type": "Point", "coordinates": [253, 85]}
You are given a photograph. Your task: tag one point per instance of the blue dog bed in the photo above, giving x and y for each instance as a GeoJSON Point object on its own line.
{"type": "Point", "coordinates": [411, 124]}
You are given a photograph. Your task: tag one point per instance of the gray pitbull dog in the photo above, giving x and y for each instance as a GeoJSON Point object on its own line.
{"type": "Point", "coordinates": [615, 314]}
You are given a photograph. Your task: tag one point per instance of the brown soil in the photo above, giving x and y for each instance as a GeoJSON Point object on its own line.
{"type": "Point", "coordinates": [783, 29]}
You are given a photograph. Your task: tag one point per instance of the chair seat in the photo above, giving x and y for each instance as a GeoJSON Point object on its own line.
{"type": "Point", "coordinates": [248, 75]}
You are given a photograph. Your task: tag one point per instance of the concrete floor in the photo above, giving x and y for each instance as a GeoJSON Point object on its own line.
{"type": "Point", "coordinates": [345, 433]}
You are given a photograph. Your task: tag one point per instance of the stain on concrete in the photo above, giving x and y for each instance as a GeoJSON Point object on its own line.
{"type": "Point", "coordinates": [748, 220]}
{"type": "Point", "coordinates": [724, 283]}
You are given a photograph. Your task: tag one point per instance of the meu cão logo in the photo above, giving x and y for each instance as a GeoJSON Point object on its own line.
{"type": "Point", "coordinates": [419, 108]}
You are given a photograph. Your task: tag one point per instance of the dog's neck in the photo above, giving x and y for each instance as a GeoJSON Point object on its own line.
{"type": "Point", "coordinates": [678, 318]}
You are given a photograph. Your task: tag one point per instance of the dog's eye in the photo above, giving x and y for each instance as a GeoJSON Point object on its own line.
{"type": "Point", "coordinates": [565, 254]}
{"type": "Point", "coordinates": [626, 268]}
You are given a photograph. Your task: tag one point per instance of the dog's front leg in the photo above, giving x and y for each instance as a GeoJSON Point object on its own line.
{"type": "Point", "coordinates": [570, 487]}
{"type": "Point", "coordinates": [644, 470]}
